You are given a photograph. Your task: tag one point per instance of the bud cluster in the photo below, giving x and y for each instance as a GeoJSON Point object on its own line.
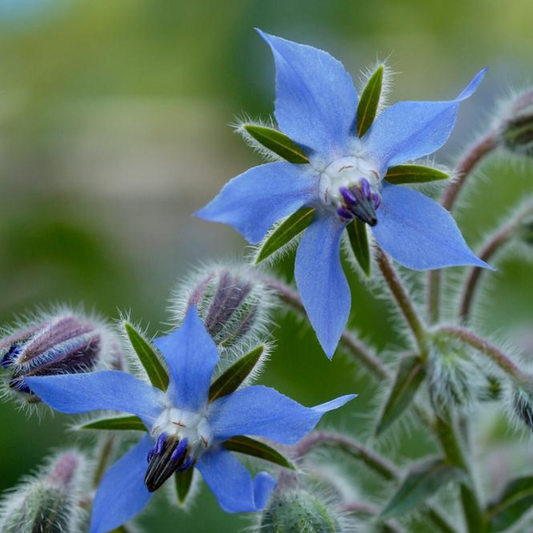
{"type": "Point", "coordinates": [62, 343]}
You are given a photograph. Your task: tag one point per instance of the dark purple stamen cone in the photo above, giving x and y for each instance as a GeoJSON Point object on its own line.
{"type": "Point", "coordinates": [359, 201]}
{"type": "Point", "coordinates": [168, 456]}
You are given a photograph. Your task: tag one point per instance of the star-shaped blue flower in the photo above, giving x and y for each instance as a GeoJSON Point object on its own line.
{"type": "Point", "coordinates": [316, 106]}
{"type": "Point", "coordinates": [184, 429]}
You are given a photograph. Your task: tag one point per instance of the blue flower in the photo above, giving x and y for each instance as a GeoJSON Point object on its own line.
{"type": "Point", "coordinates": [316, 106]}
{"type": "Point", "coordinates": [184, 429]}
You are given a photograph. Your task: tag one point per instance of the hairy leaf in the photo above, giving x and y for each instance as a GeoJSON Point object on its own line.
{"type": "Point", "coordinates": [369, 102]}
{"type": "Point", "coordinates": [414, 174]}
{"type": "Point", "coordinates": [119, 423]}
{"type": "Point", "coordinates": [516, 500]}
{"type": "Point", "coordinates": [256, 448]}
{"type": "Point", "coordinates": [359, 243]}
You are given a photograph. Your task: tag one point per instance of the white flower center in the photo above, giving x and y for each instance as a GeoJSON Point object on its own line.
{"type": "Point", "coordinates": [346, 172]}
{"type": "Point", "coordinates": [183, 424]}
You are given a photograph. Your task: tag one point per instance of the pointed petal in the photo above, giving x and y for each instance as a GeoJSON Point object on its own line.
{"type": "Point", "coordinates": [232, 484]}
{"type": "Point", "coordinates": [419, 233]}
{"type": "Point", "coordinates": [316, 101]}
{"type": "Point", "coordinates": [409, 130]}
{"type": "Point", "coordinates": [192, 356]}
{"type": "Point", "coordinates": [122, 493]}
{"type": "Point", "coordinates": [81, 393]}
{"type": "Point", "coordinates": [321, 281]}
{"type": "Point", "coordinates": [255, 200]}
{"type": "Point", "coordinates": [264, 412]}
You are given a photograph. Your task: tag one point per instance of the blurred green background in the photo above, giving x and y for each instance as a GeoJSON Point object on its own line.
{"type": "Point", "coordinates": [114, 128]}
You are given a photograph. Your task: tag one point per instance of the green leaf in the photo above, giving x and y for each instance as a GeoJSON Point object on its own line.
{"type": "Point", "coordinates": [148, 357]}
{"type": "Point", "coordinates": [422, 482]}
{"type": "Point", "coordinates": [414, 174]}
{"type": "Point", "coordinates": [257, 448]}
{"type": "Point", "coordinates": [516, 500]}
{"type": "Point", "coordinates": [232, 378]}
{"type": "Point", "coordinates": [285, 232]}
{"type": "Point", "coordinates": [369, 102]}
{"type": "Point", "coordinates": [183, 483]}
{"type": "Point", "coordinates": [277, 142]}
{"type": "Point", "coordinates": [411, 373]}
{"type": "Point", "coordinates": [119, 423]}
{"type": "Point", "coordinates": [359, 243]}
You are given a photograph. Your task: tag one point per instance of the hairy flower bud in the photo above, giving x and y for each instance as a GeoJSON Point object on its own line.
{"type": "Point", "coordinates": [300, 511]}
{"type": "Point", "coordinates": [522, 401]}
{"type": "Point", "coordinates": [232, 302]}
{"type": "Point", "coordinates": [454, 379]}
{"type": "Point", "coordinates": [516, 129]}
{"type": "Point", "coordinates": [62, 343]}
{"type": "Point", "coordinates": [48, 502]}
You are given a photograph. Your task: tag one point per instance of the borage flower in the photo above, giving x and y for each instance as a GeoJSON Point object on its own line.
{"type": "Point", "coordinates": [185, 430]}
{"type": "Point", "coordinates": [343, 178]}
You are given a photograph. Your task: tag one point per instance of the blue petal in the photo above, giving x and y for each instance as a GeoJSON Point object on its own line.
{"type": "Point", "coordinates": [232, 484]}
{"type": "Point", "coordinates": [80, 393]}
{"type": "Point", "coordinates": [409, 130]}
{"type": "Point", "coordinates": [192, 356]}
{"type": "Point", "coordinates": [264, 412]}
{"type": "Point", "coordinates": [316, 101]}
{"type": "Point", "coordinates": [321, 281]}
{"type": "Point", "coordinates": [419, 233]}
{"type": "Point", "coordinates": [255, 200]}
{"type": "Point", "coordinates": [122, 493]}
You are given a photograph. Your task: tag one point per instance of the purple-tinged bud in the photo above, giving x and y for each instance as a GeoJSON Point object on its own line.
{"type": "Point", "coordinates": [63, 343]}
{"type": "Point", "coordinates": [233, 303]}
{"type": "Point", "coordinates": [516, 128]}
{"type": "Point", "coordinates": [47, 502]}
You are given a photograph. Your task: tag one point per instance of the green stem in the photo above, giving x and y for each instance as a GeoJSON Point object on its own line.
{"type": "Point", "coordinates": [406, 305]}
{"type": "Point", "coordinates": [447, 434]}
{"type": "Point", "coordinates": [464, 169]}
{"type": "Point", "coordinates": [104, 459]}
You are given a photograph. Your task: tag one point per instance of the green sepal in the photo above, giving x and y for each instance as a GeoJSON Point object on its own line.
{"type": "Point", "coordinates": [359, 243]}
{"type": "Point", "coordinates": [259, 449]}
{"type": "Point", "coordinates": [515, 501]}
{"type": "Point", "coordinates": [410, 375]}
{"type": "Point", "coordinates": [285, 232]}
{"type": "Point", "coordinates": [149, 359]}
{"type": "Point", "coordinates": [414, 174]}
{"type": "Point", "coordinates": [119, 423]}
{"type": "Point", "coordinates": [183, 484]}
{"type": "Point", "coordinates": [369, 102]}
{"type": "Point", "coordinates": [230, 380]}
{"type": "Point", "coordinates": [277, 142]}
{"type": "Point", "coordinates": [422, 482]}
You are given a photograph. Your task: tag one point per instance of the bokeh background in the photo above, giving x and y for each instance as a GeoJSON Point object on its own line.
{"type": "Point", "coordinates": [114, 128]}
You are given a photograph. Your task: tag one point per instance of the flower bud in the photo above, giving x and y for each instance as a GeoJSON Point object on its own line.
{"type": "Point", "coordinates": [232, 302]}
{"type": "Point", "coordinates": [454, 380]}
{"type": "Point", "coordinates": [297, 510]}
{"type": "Point", "coordinates": [516, 129]}
{"type": "Point", "coordinates": [63, 343]}
{"type": "Point", "coordinates": [47, 502]}
{"type": "Point", "coordinates": [522, 401]}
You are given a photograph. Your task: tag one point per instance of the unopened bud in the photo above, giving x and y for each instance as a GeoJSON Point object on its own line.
{"type": "Point", "coordinates": [297, 510]}
{"type": "Point", "coordinates": [232, 302]}
{"type": "Point", "coordinates": [516, 130]}
{"type": "Point", "coordinates": [64, 343]}
{"type": "Point", "coordinates": [522, 401]}
{"type": "Point", "coordinates": [48, 502]}
{"type": "Point", "coordinates": [454, 381]}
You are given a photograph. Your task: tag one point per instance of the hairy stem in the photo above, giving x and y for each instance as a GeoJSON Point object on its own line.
{"type": "Point", "coordinates": [464, 169]}
{"type": "Point", "coordinates": [406, 305]}
{"type": "Point", "coordinates": [352, 346]}
{"type": "Point", "coordinates": [367, 509]}
{"type": "Point", "coordinates": [373, 460]}
{"type": "Point", "coordinates": [107, 449]}
{"type": "Point", "coordinates": [484, 347]}
{"type": "Point", "coordinates": [447, 433]}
